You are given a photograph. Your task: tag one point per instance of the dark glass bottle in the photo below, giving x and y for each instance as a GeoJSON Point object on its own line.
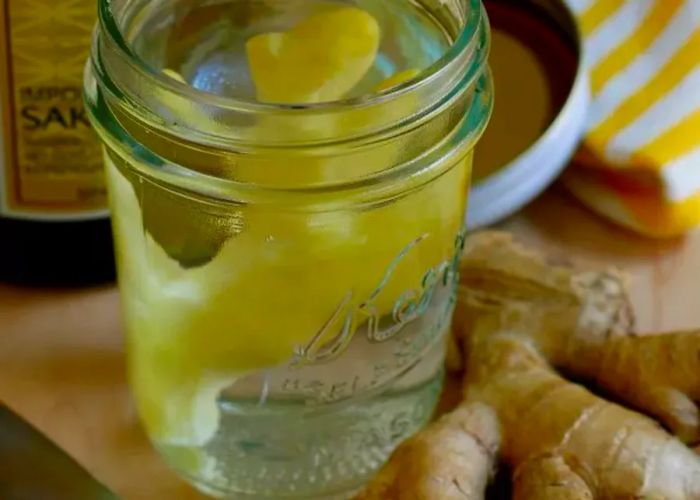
{"type": "Point", "coordinates": [54, 227]}
{"type": "Point", "coordinates": [55, 253]}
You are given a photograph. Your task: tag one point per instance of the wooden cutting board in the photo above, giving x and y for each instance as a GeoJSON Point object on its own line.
{"type": "Point", "coordinates": [62, 357]}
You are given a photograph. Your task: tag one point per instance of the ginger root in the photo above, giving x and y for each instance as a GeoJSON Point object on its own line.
{"type": "Point", "coordinates": [519, 318]}
{"type": "Point", "coordinates": [549, 477]}
{"type": "Point", "coordinates": [582, 323]}
{"type": "Point", "coordinates": [600, 449]}
{"type": "Point", "coordinates": [658, 374]}
{"type": "Point", "coordinates": [451, 460]}
{"type": "Point", "coordinates": [567, 310]}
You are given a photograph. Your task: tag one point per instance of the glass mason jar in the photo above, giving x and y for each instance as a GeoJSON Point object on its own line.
{"type": "Point", "coordinates": [288, 272]}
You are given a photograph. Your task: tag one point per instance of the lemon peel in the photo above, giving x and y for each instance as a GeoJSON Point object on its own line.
{"type": "Point", "coordinates": [320, 59]}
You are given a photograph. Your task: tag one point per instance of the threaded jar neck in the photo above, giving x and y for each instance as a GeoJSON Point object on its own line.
{"type": "Point", "coordinates": [137, 107]}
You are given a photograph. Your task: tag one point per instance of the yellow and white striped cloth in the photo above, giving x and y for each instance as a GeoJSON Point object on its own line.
{"type": "Point", "coordinates": [640, 164]}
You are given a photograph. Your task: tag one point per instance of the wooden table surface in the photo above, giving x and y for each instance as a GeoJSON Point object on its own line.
{"type": "Point", "coordinates": [62, 358]}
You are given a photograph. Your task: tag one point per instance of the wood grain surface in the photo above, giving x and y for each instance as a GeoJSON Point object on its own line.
{"type": "Point", "coordinates": [62, 357]}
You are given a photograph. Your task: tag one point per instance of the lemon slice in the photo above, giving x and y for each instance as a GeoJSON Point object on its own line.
{"type": "Point", "coordinates": [195, 331]}
{"type": "Point", "coordinates": [320, 59]}
{"type": "Point", "coordinates": [191, 327]}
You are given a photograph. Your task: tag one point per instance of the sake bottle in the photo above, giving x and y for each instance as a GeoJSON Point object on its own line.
{"type": "Point", "coordinates": [54, 226]}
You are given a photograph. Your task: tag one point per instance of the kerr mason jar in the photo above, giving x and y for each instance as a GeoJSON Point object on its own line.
{"type": "Point", "coordinates": [288, 271]}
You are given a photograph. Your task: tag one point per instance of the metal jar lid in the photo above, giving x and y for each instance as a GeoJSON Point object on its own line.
{"type": "Point", "coordinates": [515, 184]}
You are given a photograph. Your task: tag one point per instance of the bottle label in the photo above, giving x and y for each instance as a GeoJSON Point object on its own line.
{"type": "Point", "coordinates": [50, 158]}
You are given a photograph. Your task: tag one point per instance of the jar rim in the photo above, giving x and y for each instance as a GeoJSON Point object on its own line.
{"type": "Point", "coordinates": [468, 36]}
{"type": "Point", "coordinates": [131, 119]}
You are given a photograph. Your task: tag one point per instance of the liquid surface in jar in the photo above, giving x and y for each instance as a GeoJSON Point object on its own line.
{"type": "Point", "coordinates": [201, 319]}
